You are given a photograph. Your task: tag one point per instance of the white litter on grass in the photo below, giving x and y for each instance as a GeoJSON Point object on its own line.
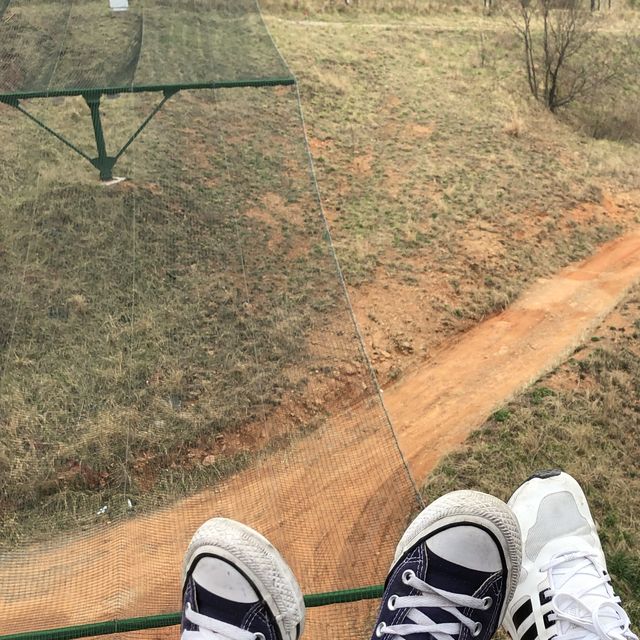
{"type": "Point", "coordinates": [129, 504]}
{"type": "Point", "coordinates": [102, 510]}
{"type": "Point", "coordinates": [110, 183]}
{"type": "Point", "coordinates": [119, 5]}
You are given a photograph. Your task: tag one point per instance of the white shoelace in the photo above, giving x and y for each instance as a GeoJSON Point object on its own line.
{"type": "Point", "coordinates": [211, 629]}
{"type": "Point", "coordinates": [432, 597]}
{"type": "Point", "coordinates": [585, 606]}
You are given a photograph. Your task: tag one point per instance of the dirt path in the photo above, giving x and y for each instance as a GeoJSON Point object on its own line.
{"type": "Point", "coordinates": [460, 387]}
{"type": "Point", "coordinates": [132, 569]}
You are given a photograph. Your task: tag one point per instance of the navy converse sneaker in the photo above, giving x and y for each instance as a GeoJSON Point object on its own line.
{"type": "Point", "coordinates": [236, 586]}
{"type": "Point", "coordinates": [454, 572]}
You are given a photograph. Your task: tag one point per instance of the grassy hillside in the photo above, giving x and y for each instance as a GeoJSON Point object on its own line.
{"type": "Point", "coordinates": [441, 178]}
{"type": "Point", "coordinates": [148, 331]}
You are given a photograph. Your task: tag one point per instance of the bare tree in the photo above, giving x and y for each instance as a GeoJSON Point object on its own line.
{"type": "Point", "coordinates": [560, 61]}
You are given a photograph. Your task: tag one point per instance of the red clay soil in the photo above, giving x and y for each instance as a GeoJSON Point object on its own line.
{"type": "Point", "coordinates": [433, 409]}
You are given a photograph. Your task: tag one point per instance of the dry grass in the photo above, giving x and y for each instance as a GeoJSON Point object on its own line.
{"type": "Point", "coordinates": [350, 8]}
{"type": "Point", "coordinates": [415, 7]}
{"type": "Point", "coordinates": [131, 317]}
{"type": "Point", "coordinates": [103, 49]}
{"type": "Point", "coordinates": [141, 323]}
{"type": "Point", "coordinates": [435, 165]}
{"type": "Point", "coordinates": [618, 119]}
{"type": "Point", "coordinates": [515, 126]}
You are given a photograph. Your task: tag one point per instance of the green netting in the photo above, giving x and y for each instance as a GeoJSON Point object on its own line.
{"type": "Point", "coordinates": [178, 346]}
{"type": "Point", "coordinates": [66, 47]}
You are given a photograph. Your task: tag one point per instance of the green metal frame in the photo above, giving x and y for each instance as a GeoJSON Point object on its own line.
{"type": "Point", "coordinates": [103, 161]}
{"type": "Point", "coordinates": [171, 619]}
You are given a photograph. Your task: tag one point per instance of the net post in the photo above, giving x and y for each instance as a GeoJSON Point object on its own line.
{"type": "Point", "coordinates": [104, 163]}
{"type": "Point", "coordinates": [14, 102]}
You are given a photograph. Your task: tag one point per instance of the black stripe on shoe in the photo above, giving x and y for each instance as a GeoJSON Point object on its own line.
{"type": "Point", "coordinates": [548, 623]}
{"type": "Point", "coordinates": [531, 633]}
{"type": "Point", "coordinates": [522, 613]}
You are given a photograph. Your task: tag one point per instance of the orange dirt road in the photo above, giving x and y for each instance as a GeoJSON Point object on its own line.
{"type": "Point", "coordinates": [434, 408]}
{"type": "Point", "coordinates": [133, 568]}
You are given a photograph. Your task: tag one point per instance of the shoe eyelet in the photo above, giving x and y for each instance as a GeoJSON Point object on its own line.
{"type": "Point", "coordinates": [391, 602]}
{"type": "Point", "coordinates": [407, 575]}
{"type": "Point", "coordinates": [260, 636]}
{"type": "Point", "coordinates": [487, 601]}
{"type": "Point", "coordinates": [477, 630]}
{"type": "Point", "coordinates": [380, 629]}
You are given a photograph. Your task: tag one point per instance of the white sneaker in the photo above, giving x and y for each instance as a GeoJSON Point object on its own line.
{"type": "Point", "coordinates": [564, 590]}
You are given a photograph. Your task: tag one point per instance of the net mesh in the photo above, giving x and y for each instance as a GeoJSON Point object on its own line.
{"type": "Point", "coordinates": [69, 46]}
{"type": "Point", "coordinates": [179, 346]}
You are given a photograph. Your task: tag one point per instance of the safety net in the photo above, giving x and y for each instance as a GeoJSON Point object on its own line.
{"type": "Point", "coordinates": [66, 47]}
{"type": "Point", "coordinates": [177, 346]}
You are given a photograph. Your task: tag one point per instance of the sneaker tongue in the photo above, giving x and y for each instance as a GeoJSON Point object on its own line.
{"type": "Point", "coordinates": [448, 576]}
{"type": "Point", "coordinates": [223, 579]}
{"type": "Point", "coordinates": [222, 592]}
{"type": "Point", "coordinates": [219, 608]}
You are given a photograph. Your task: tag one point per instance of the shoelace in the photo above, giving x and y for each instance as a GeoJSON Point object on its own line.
{"type": "Point", "coordinates": [212, 629]}
{"type": "Point", "coordinates": [432, 597]}
{"type": "Point", "coordinates": [583, 600]}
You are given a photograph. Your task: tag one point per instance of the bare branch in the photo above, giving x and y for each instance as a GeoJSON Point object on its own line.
{"type": "Point", "coordinates": [557, 37]}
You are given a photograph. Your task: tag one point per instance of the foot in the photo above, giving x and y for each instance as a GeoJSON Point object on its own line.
{"type": "Point", "coordinates": [455, 569]}
{"type": "Point", "coordinates": [236, 586]}
{"type": "Point", "coordinates": [564, 590]}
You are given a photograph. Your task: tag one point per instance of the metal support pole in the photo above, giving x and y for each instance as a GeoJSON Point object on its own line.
{"type": "Point", "coordinates": [103, 162]}
{"type": "Point", "coordinates": [16, 104]}
{"type": "Point", "coordinates": [168, 93]}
